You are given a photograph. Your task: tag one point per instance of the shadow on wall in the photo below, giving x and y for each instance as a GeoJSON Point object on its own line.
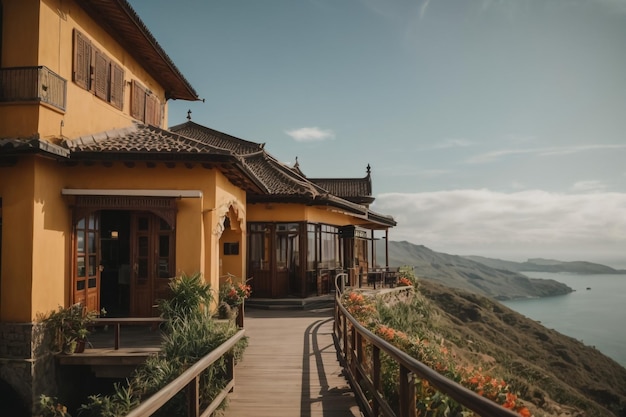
{"type": "Point", "coordinates": [11, 404]}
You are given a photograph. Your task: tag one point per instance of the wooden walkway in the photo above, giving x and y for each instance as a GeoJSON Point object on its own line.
{"type": "Point", "coordinates": [290, 368]}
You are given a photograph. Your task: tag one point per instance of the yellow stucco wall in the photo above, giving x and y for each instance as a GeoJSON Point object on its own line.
{"type": "Point", "coordinates": [17, 240]}
{"type": "Point", "coordinates": [297, 212]}
{"type": "Point", "coordinates": [36, 248]}
{"type": "Point", "coordinates": [19, 51]}
{"type": "Point", "coordinates": [52, 222]}
{"type": "Point", "coordinates": [229, 201]}
{"type": "Point", "coordinates": [41, 33]}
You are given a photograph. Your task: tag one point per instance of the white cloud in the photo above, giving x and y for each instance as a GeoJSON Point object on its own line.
{"type": "Point", "coordinates": [453, 143]}
{"type": "Point", "coordinates": [423, 8]}
{"type": "Point", "coordinates": [589, 185]}
{"type": "Point", "coordinates": [521, 224]}
{"type": "Point", "coordinates": [310, 134]}
{"type": "Point", "coordinates": [549, 151]}
{"type": "Point", "coordinates": [494, 155]}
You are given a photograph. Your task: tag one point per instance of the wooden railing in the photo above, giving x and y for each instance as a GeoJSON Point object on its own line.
{"type": "Point", "coordinates": [360, 354]}
{"type": "Point", "coordinates": [117, 322]}
{"type": "Point", "coordinates": [33, 84]}
{"type": "Point", "coordinates": [190, 381]}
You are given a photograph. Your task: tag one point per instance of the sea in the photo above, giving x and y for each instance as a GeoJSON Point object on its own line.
{"type": "Point", "coordinates": [595, 313]}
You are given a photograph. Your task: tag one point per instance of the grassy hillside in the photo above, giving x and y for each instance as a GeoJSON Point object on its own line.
{"type": "Point", "coordinates": [554, 375]}
{"type": "Point", "coordinates": [459, 272]}
{"type": "Point", "coordinates": [549, 367]}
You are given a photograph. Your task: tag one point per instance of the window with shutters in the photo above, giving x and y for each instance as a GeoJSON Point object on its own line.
{"type": "Point", "coordinates": [102, 65]}
{"type": "Point", "coordinates": [138, 101]}
{"type": "Point", "coordinates": [153, 110]}
{"type": "Point", "coordinates": [82, 60]}
{"type": "Point", "coordinates": [145, 106]}
{"type": "Point", "coordinates": [96, 72]}
{"type": "Point", "coordinates": [117, 86]}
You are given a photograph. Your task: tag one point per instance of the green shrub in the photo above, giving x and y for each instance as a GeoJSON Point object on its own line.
{"type": "Point", "coordinates": [190, 334]}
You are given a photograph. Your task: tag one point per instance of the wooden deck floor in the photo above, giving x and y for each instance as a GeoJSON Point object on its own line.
{"type": "Point", "coordinates": [290, 368]}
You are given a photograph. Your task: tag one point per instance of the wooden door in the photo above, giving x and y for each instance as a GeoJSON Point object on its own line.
{"type": "Point", "coordinates": [152, 262]}
{"type": "Point", "coordinates": [86, 268]}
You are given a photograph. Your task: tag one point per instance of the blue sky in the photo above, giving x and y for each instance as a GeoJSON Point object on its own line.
{"type": "Point", "coordinates": [493, 127]}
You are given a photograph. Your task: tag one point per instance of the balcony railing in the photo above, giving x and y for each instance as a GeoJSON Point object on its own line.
{"type": "Point", "coordinates": [28, 84]}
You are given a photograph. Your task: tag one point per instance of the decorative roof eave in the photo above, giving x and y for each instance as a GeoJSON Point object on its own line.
{"type": "Point", "coordinates": [381, 219]}
{"type": "Point", "coordinates": [34, 145]}
{"type": "Point", "coordinates": [125, 26]}
{"type": "Point", "coordinates": [325, 200]}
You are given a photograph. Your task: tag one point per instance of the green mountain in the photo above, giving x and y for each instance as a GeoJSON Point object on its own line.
{"type": "Point", "coordinates": [460, 272]}
{"type": "Point", "coordinates": [548, 265]}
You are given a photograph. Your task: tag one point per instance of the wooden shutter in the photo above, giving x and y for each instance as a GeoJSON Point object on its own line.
{"type": "Point", "coordinates": [82, 60]}
{"type": "Point", "coordinates": [138, 101]}
{"type": "Point", "coordinates": [117, 86]}
{"type": "Point", "coordinates": [102, 66]}
{"type": "Point", "coordinates": [153, 111]}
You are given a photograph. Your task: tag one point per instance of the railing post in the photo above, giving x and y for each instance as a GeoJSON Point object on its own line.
{"type": "Point", "coordinates": [376, 377]}
{"type": "Point", "coordinates": [193, 397]}
{"type": "Point", "coordinates": [344, 324]}
{"type": "Point", "coordinates": [117, 335]}
{"type": "Point", "coordinates": [240, 312]}
{"type": "Point", "coordinates": [407, 393]}
{"type": "Point", "coordinates": [360, 353]}
{"type": "Point", "coordinates": [230, 369]}
{"type": "Point", "coordinates": [352, 350]}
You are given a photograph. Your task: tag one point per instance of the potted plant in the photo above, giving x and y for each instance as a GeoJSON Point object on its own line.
{"type": "Point", "coordinates": [68, 327]}
{"type": "Point", "coordinates": [231, 296]}
{"type": "Point", "coordinates": [50, 407]}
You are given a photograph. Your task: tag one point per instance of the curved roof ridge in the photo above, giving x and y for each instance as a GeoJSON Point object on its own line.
{"type": "Point", "coordinates": [217, 138]}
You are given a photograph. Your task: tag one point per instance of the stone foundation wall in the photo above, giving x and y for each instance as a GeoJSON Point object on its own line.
{"type": "Point", "coordinates": [25, 362]}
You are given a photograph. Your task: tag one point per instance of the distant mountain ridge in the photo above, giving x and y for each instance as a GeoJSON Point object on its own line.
{"type": "Point", "coordinates": [547, 265]}
{"type": "Point", "coordinates": [460, 272]}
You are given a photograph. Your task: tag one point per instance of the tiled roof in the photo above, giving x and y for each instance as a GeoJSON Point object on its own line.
{"type": "Point", "coordinates": [345, 187]}
{"type": "Point", "coordinates": [216, 138]}
{"type": "Point", "coordinates": [358, 190]}
{"type": "Point", "coordinates": [277, 178]}
{"type": "Point", "coordinates": [148, 143]}
{"type": "Point", "coordinates": [140, 139]}
{"type": "Point", "coordinates": [284, 183]}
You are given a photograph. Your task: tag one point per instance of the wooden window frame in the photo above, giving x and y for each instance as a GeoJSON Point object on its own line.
{"type": "Point", "coordinates": [145, 106]}
{"type": "Point", "coordinates": [95, 71]}
{"type": "Point", "coordinates": [81, 74]}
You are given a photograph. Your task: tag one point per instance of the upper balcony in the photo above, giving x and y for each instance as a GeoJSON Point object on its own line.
{"type": "Point", "coordinates": [32, 84]}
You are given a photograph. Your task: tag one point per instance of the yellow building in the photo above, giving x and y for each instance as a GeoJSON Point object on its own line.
{"type": "Point", "coordinates": [101, 204]}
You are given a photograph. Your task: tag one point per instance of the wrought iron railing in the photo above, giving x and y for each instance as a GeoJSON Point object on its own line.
{"type": "Point", "coordinates": [360, 353]}
{"type": "Point", "coordinates": [28, 84]}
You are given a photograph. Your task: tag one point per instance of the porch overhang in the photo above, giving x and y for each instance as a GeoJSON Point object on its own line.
{"type": "Point", "coordinates": [132, 192]}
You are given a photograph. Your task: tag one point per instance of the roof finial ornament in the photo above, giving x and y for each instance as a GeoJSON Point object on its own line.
{"type": "Point", "coordinates": [369, 169]}
{"type": "Point", "coordinates": [189, 115]}
{"type": "Point", "coordinates": [296, 164]}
